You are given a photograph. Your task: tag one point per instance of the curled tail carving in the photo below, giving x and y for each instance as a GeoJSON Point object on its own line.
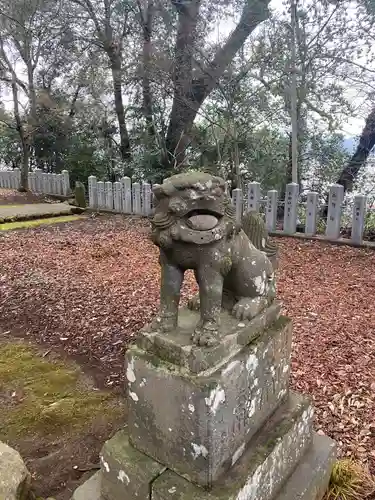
{"type": "Point", "coordinates": [255, 229]}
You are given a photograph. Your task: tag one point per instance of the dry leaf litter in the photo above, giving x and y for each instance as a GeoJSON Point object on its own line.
{"type": "Point", "coordinates": [89, 286]}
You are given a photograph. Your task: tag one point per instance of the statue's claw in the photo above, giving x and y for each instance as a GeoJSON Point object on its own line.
{"type": "Point", "coordinates": [247, 308]}
{"type": "Point", "coordinates": [194, 304]}
{"type": "Point", "coordinates": [205, 334]}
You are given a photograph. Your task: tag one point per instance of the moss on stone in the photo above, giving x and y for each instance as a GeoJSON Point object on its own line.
{"type": "Point", "coordinates": [8, 226]}
{"type": "Point", "coordinates": [44, 397]}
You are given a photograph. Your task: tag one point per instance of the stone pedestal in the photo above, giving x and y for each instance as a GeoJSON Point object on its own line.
{"type": "Point", "coordinates": [197, 424]}
{"type": "Point", "coordinates": [214, 423]}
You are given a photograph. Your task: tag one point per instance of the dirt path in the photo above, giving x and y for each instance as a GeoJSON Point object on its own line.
{"type": "Point", "coordinates": [88, 287]}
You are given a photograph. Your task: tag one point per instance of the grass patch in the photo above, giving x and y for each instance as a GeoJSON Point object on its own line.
{"type": "Point", "coordinates": [8, 226]}
{"type": "Point", "coordinates": [41, 397]}
{"type": "Point", "coordinates": [350, 481]}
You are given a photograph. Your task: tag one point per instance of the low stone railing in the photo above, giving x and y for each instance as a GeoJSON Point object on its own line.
{"type": "Point", "coordinates": [136, 198]}
{"type": "Point", "coordinates": [39, 181]}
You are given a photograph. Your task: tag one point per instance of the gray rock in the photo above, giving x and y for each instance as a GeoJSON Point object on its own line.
{"type": "Point", "coordinates": [90, 489]}
{"type": "Point", "coordinates": [14, 477]}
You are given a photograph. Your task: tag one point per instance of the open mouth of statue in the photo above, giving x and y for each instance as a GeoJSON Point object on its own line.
{"type": "Point", "coordinates": [202, 220]}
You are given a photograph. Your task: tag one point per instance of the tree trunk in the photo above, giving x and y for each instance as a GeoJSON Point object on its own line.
{"type": "Point", "coordinates": [189, 93]}
{"type": "Point", "coordinates": [146, 83]}
{"type": "Point", "coordinates": [366, 143]}
{"type": "Point", "coordinates": [33, 117]}
{"type": "Point", "coordinates": [293, 94]}
{"type": "Point", "coordinates": [115, 60]}
{"type": "Point", "coordinates": [24, 143]}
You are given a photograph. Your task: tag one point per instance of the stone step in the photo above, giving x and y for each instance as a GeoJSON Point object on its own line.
{"type": "Point", "coordinates": [195, 423]}
{"type": "Point", "coordinates": [264, 467]}
{"type": "Point", "coordinates": [126, 473]}
{"type": "Point", "coordinates": [258, 472]}
{"type": "Point", "coordinates": [309, 481]}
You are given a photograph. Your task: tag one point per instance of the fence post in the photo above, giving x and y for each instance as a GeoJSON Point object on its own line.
{"type": "Point", "coordinates": [126, 194]}
{"type": "Point", "coordinates": [237, 200]}
{"type": "Point", "coordinates": [290, 208]}
{"type": "Point", "coordinates": [358, 218]}
{"type": "Point", "coordinates": [101, 197]}
{"type": "Point", "coordinates": [136, 192]}
{"type": "Point", "coordinates": [65, 183]}
{"type": "Point", "coordinates": [311, 213]}
{"type": "Point", "coordinates": [146, 188]}
{"type": "Point", "coordinates": [17, 175]}
{"type": "Point", "coordinates": [271, 210]}
{"type": "Point", "coordinates": [93, 191]}
{"type": "Point", "coordinates": [336, 197]}
{"type": "Point", "coordinates": [54, 183]}
{"type": "Point", "coordinates": [117, 201]}
{"type": "Point", "coordinates": [44, 183]}
{"type": "Point", "coordinates": [108, 195]}
{"type": "Point", "coordinates": [38, 180]}
{"type": "Point", "coordinates": [59, 184]}
{"type": "Point", "coordinates": [253, 197]}
{"type": "Point", "coordinates": [32, 182]}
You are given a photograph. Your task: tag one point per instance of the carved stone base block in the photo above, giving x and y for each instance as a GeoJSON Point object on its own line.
{"type": "Point", "coordinates": [309, 481]}
{"type": "Point", "coordinates": [198, 424]}
{"type": "Point", "coordinates": [284, 461]}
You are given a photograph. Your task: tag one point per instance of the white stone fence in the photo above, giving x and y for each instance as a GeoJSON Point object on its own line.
{"type": "Point", "coordinates": [125, 197]}
{"type": "Point", "coordinates": [39, 181]}
{"type": "Point", "coordinates": [122, 196]}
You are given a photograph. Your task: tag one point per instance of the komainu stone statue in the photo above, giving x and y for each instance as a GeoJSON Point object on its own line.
{"type": "Point", "coordinates": [195, 227]}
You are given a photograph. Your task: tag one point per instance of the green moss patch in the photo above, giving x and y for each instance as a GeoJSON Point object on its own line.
{"type": "Point", "coordinates": [8, 226]}
{"type": "Point", "coordinates": [42, 397]}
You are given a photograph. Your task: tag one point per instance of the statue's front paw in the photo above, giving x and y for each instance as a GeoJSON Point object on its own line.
{"type": "Point", "coordinates": [164, 323]}
{"type": "Point", "coordinates": [194, 304]}
{"type": "Point", "coordinates": [206, 334]}
{"type": "Point", "coordinates": [247, 308]}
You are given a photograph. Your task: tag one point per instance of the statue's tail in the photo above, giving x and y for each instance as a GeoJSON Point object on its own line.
{"type": "Point", "coordinates": [255, 229]}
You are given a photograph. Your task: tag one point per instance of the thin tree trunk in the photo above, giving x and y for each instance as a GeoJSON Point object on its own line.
{"type": "Point", "coordinates": [24, 143]}
{"type": "Point", "coordinates": [293, 95]}
{"type": "Point", "coordinates": [115, 60]}
{"type": "Point", "coordinates": [33, 117]}
{"type": "Point", "coordinates": [146, 83]}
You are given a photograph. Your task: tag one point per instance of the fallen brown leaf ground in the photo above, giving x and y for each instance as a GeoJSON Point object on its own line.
{"type": "Point", "coordinates": [14, 197]}
{"type": "Point", "coordinates": [87, 287]}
